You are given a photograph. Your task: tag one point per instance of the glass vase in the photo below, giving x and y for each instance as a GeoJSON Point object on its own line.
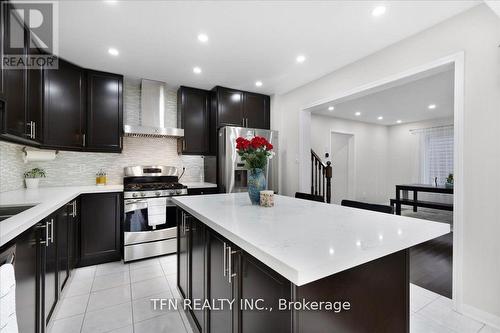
{"type": "Point", "coordinates": [256, 181]}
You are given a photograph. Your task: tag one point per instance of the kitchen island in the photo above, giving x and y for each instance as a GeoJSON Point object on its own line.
{"type": "Point", "coordinates": [298, 251]}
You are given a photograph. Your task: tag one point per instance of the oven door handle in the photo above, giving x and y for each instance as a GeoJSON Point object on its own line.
{"type": "Point", "coordinates": [130, 206]}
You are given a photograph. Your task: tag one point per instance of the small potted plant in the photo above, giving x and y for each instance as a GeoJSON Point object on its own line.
{"type": "Point", "coordinates": [32, 177]}
{"type": "Point", "coordinates": [449, 180]}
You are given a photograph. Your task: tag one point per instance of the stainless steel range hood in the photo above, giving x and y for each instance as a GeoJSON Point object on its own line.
{"type": "Point", "coordinates": [153, 113]}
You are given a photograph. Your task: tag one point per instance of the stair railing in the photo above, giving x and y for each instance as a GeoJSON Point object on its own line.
{"type": "Point", "coordinates": [321, 177]}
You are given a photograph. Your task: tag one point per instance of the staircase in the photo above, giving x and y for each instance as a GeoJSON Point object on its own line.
{"type": "Point", "coordinates": [321, 177]}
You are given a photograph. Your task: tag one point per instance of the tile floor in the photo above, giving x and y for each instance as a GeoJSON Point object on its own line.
{"type": "Point", "coordinates": [115, 297]}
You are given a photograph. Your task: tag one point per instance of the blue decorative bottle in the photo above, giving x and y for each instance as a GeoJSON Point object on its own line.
{"type": "Point", "coordinates": [256, 181]}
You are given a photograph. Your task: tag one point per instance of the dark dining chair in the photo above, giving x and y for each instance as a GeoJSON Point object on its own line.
{"type": "Point", "coordinates": [307, 196]}
{"type": "Point", "coordinates": [368, 206]}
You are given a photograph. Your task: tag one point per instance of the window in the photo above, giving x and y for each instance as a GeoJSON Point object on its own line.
{"type": "Point", "coordinates": [436, 154]}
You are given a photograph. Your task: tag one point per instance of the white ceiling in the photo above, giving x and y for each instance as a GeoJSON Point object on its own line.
{"type": "Point", "coordinates": [406, 100]}
{"type": "Point", "coordinates": [248, 40]}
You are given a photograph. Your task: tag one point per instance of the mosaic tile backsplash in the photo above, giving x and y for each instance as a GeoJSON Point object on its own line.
{"type": "Point", "coordinates": [79, 168]}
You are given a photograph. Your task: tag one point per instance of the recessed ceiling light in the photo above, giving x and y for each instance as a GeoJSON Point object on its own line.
{"type": "Point", "coordinates": [301, 58]}
{"type": "Point", "coordinates": [258, 83]}
{"type": "Point", "coordinates": [197, 70]}
{"type": "Point", "coordinates": [432, 106]}
{"type": "Point", "coordinates": [331, 108]}
{"type": "Point", "coordinates": [380, 118]}
{"type": "Point", "coordinates": [378, 11]}
{"type": "Point", "coordinates": [357, 114]}
{"type": "Point", "coordinates": [111, 2]}
{"type": "Point", "coordinates": [113, 51]}
{"type": "Point", "coordinates": [399, 121]}
{"type": "Point", "coordinates": [203, 38]}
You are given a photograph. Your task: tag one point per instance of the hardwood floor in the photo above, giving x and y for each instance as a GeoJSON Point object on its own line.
{"type": "Point", "coordinates": [431, 262]}
{"type": "Point", "coordinates": [431, 265]}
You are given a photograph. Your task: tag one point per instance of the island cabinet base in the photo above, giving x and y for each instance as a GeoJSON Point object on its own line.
{"type": "Point", "coordinates": [378, 294]}
{"type": "Point", "coordinates": [212, 269]}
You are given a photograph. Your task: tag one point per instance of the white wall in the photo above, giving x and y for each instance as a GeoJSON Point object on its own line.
{"type": "Point", "coordinates": [477, 33]}
{"type": "Point", "coordinates": [370, 153]}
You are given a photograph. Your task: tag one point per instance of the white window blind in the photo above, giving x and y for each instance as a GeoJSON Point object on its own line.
{"type": "Point", "coordinates": [436, 154]}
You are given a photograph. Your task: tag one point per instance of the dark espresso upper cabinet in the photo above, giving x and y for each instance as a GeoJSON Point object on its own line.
{"type": "Point", "coordinates": [257, 110]}
{"type": "Point", "coordinates": [2, 42]}
{"type": "Point", "coordinates": [193, 112]}
{"type": "Point", "coordinates": [14, 125]}
{"type": "Point", "coordinates": [230, 107]}
{"type": "Point", "coordinates": [64, 107]}
{"type": "Point", "coordinates": [104, 112]}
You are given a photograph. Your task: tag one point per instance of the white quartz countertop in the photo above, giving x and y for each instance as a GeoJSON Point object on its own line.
{"type": "Point", "coordinates": [198, 184]}
{"type": "Point", "coordinates": [45, 200]}
{"type": "Point", "coordinates": [305, 240]}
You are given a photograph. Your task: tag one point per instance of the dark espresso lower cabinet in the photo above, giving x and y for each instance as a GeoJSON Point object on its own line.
{"type": "Point", "coordinates": [221, 285]}
{"type": "Point", "coordinates": [49, 286]}
{"type": "Point", "coordinates": [257, 281]}
{"type": "Point", "coordinates": [183, 254]}
{"type": "Point", "coordinates": [191, 269]}
{"type": "Point", "coordinates": [28, 278]}
{"type": "Point", "coordinates": [377, 292]}
{"type": "Point", "coordinates": [101, 216]}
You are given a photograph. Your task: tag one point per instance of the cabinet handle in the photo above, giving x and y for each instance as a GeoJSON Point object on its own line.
{"type": "Point", "coordinates": [230, 274]}
{"type": "Point", "coordinates": [184, 145]}
{"type": "Point", "coordinates": [30, 134]}
{"type": "Point", "coordinates": [224, 269]}
{"type": "Point", "coordinates": [52, 230]}
{"type": "Point", "coordinates": [47, 237]}
{"type": "Point", "coordinates": [43, 226]}
{"type": "Point", "coordinates": [83, 140]}
{"type": "Point", "coordinates": [33, 129]}
{"type": "Point", "coordinates": [73, 209]}
{"type": "Point", "coordinates": [183, 223]}
{"type": "Point", "coordinates": [246, 122]}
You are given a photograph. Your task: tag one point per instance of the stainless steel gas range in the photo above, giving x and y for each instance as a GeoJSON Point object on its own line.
{"type": "Point", "coordinates": [150, 222]}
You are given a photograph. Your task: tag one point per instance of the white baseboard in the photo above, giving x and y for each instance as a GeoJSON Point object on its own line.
{"type": "Point", "coordinates": [483, 316]}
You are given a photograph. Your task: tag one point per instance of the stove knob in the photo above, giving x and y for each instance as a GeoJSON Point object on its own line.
{"type": "Point", "coordinates": [143, 194]}
{"type": "Point", "coordinates": [178, 191]}
{"type": "Point", "coordinates": [134, 195]}
{"type": "Point", "coordinates": [157, 193]}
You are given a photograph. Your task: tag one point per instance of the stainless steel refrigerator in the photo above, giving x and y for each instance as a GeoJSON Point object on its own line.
{"type": "Point", "coordinates": [232, 173]}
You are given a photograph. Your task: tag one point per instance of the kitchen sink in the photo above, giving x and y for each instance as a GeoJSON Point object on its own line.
{"type": "Point", "coordinates": [8, 211]}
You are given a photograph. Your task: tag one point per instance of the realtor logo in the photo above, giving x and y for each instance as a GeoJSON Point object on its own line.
{"type": "Point", "coordinates": [31, 39]}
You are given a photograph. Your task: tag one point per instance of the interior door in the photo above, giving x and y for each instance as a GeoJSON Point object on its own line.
{"type": "Point", "coordinates": [221, 321]}
{"type": "Point", "coordinates": [183, 253]}
{"type": "Point", "coordinates": [257, 111]}
{"type": "Point", "coordinates": [230, 107]}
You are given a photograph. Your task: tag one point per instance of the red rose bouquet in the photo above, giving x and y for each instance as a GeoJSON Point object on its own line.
{"type": "Point", "coordinates": [254, 152]}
